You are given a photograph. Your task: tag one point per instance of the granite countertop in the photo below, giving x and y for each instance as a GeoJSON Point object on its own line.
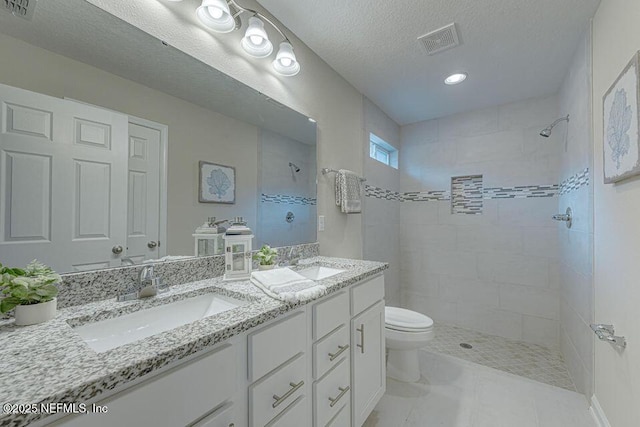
{"type": "Point", "coordinates": [50, 363]}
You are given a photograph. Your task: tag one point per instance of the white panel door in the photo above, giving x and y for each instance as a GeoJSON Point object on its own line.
{"type": "Point", "coordinates": [143, 224]}
{"type": "Point", "coordinates": [63, 182]}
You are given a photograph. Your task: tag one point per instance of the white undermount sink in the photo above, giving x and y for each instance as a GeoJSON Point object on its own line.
{"type": "Point", "coordinates": [319, 272]}
{"type": "Point", "coordinates": [111, 333]}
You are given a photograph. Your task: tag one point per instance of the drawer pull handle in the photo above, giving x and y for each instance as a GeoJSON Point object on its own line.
{"type": "Point", "coordinates": [361, 345]}
{"type": "Point", "coordinates": [341, 349]}
{"type": "Point", "coordinates": [279, 400]}
{"type": "Point", "coordinates": [334, 400]}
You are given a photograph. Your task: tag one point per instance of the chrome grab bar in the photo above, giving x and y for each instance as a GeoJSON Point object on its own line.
{"type": "Point", "coordinates": [341, 349]}
{"type": "Point", "coordinates": [279, 400]}
{"type": "Point", "coordinates": [343, 391]}
{"type": "Point", "coordinates": [607, 333]}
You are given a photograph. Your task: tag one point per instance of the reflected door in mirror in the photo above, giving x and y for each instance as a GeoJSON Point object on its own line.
{"type": "Point", "coordinates": [63, 182]}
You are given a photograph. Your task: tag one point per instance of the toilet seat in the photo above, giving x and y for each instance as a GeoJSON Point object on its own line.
{"type": "Point", "coordinates": [400, 319]}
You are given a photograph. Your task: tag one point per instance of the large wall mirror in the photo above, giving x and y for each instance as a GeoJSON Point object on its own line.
{"type": "Point", "coordinates": [115, 147]}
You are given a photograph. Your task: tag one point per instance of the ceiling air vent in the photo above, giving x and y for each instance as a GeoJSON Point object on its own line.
{"type": "Point", "coordinates": [20, 8]}
{"type": "Point", "coordinates": [440, 40]}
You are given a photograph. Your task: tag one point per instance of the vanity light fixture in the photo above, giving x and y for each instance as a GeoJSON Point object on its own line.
{"type": "Point", "coordinates": [223, 16]}
{"type": "Point", "coordinates": [455, 79]}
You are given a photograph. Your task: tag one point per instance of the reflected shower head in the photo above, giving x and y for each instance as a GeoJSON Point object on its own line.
{"type": "Point", "coordinates": [546, 132]}
{"type": "Point", "coordinates": [295, 168]}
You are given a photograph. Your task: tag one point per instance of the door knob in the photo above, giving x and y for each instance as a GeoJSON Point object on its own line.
{"type": "Point", "coordinates": [152, 244]}
{"type": "Point", "coordinates": [117, 249]}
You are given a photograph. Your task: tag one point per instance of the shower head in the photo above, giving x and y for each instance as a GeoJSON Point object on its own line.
{"type": "Point", "coordinates": [294, 167]}
{"type": "Point", "coordinates": [546, 132]}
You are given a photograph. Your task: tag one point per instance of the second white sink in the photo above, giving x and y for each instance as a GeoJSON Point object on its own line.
{"type": "Point", "coordinates": [111, 333]}
{"type": "Point", "coordinates": [319, 272]}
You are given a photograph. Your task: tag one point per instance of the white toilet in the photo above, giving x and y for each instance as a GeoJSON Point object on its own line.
{"type": "Point", "coordinates": [405, 332]}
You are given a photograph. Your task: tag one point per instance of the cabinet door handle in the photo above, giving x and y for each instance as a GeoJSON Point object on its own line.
{"type": "Point", "coordinates": [361, 345]}
{"type": "Point", "coordinates": [334, 400]}
{"type": "Point", "coordinates": [279, 400]}
{"type": "Point", "coordinates": [341, 349]}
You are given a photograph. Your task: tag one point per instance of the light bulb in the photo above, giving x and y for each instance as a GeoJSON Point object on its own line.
{"type": "Point", "coordinates": [455, 79]}
{"type": "Point", "coordinates": [216, 15]}
{"type": "Point", "coordinates": [256, 41]}
{"type": "Point", "coordinates": [216, 12]}
{"type": "Point", "coordinates": [286, 62]}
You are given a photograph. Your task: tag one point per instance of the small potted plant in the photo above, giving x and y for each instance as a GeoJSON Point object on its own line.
{"type": "Point", "coordinates": [31, 292]}
{"type": "Point", "coordinates": [267, 257]}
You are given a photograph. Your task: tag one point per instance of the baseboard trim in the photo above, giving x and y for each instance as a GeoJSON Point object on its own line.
{"type": "Point", "coordinates": [597, 413]}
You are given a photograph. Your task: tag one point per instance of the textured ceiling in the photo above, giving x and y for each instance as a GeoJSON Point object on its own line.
{"type": "Point", "coordinates": [81, 31]}
{"type": "Point", "coordinates": [512, 49]}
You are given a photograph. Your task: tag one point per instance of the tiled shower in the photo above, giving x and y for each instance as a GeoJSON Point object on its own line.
{"type": "Point", "coordinates": [470, 211]}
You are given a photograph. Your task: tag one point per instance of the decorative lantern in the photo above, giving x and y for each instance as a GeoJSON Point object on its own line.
{"type": "Point", "coordinates": [209, 244]}
{"type": "Point", "coordinates": [209, 238]}
{"type": "Point", "coordinates": [237, 251]}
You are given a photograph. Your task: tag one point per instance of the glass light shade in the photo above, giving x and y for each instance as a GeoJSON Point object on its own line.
{"type": "Point", "coordinates": [455, 79]}
{"type": "Point", "coordinates": [216, 15]}
{"type": "Point", "coordinates": [285, 62]}
{"type": "Point", "coordinates": [255, 41]}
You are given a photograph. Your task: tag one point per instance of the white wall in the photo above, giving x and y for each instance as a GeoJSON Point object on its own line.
{"type": "Point", "coordinates": [576, 244]}
{"type": "Point", "coordinates": [495, 272]}
{"type": "Point", "coordinates": [277, 178]}
{"type": "Point", "coordinates": [381, 217]}
{"type": "Point", "coordinates": [318, 91]}
{"type": "Point", "coordinates": [616, 39]}
{"type": "Point", "coordinates": [195, 133]}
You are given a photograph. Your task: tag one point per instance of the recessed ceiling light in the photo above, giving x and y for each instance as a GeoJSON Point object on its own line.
{"type": "Point", "coordinates": [455, 79]}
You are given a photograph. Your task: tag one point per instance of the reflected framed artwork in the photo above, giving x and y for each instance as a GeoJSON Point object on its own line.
{"type": "Point", "coordinates": [217, 183]}
{"type": "Point", "coordinates": [621, 125]}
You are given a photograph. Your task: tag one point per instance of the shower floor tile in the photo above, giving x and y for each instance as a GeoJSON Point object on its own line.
{"type": "Point", "coordinates": [531, 361]}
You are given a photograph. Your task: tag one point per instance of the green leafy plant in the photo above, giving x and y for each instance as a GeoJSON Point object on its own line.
{"type": "Point", "coordinates": [266, 255]}
{"type": "Point", "coordinates": [32, 285]}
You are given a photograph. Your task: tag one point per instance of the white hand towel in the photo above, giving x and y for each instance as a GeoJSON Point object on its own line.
{"type": "Point", "coordinates": [286, 285]}
{"type": "Point", "coordinates": [348, 191]}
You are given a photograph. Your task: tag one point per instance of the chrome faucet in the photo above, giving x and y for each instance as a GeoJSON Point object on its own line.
{"type": "Point", "coordinates": [290, 259]}
{"type": "Point", "coordinates": [149, 285]}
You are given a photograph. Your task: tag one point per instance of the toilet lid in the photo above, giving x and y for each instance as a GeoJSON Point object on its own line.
{"type": "Point", "coordinates": [406, 320]}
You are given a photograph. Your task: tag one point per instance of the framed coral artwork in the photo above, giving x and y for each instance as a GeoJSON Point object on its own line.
{"type": "Point", "coordinates": [621, 124]}
{"type": "Point", "coordinates": [217, 183]}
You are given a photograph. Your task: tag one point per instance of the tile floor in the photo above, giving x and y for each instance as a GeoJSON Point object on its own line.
{"type": "Point", "coordinates": [527, 360]}
{"type": "Point", "coordinates": [458, 393]}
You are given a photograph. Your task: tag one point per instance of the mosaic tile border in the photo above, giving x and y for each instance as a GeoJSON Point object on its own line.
{"type": "Point", "coordinates": [381, 193]}
{"type": "Point", "coordinates": [575, 182]}
{"type": "Point", "coordinates": [467, 195]}
{"type": "Point", "coordinates": [288, 200]}
{"type": "Point", "coordinates": [521, 192]}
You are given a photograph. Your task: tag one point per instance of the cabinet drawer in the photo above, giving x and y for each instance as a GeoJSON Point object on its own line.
{"type": "Point", "coordinates": [273, 345]}
{"type": "Point", "coordinates": [329, 314]}
{"type": "Point", "coordinates": [331, 393]}
{"type": "Point", "coordinates": [198, 386]}
{"type": "Point", "coordinates": [366, 294]}
{"type": "Point", "coordinates": [342, 418]}
{"type": "Point", "coordinates": [223, 417]}
{"type": "Point", "coordinates": [296, 415]}
{"type": "Point", "coordinates": [271, 395]}
{"type": "Point", "coordinates": [334, 346]}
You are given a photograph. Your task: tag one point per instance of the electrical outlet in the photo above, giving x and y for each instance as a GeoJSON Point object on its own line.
{"type": "Point", "coordinates": [321, 223]}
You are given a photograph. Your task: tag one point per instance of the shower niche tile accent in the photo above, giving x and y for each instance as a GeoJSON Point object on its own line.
{"type": "Point", "coordinates": [466, 195]}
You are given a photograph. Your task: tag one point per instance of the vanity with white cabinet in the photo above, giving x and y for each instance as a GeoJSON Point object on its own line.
{"type": "Point", "coordinates": [320, 363]}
